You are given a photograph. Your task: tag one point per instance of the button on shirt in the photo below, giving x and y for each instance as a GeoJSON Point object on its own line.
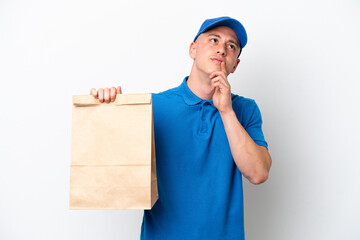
{"type": "Point", "coordinates": [199, 185]}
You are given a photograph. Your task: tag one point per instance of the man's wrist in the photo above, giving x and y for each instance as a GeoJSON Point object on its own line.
{"type": "Point", "coordinates": [227, 113]}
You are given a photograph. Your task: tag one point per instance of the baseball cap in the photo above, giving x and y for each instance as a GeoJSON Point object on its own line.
{"type": "Point", "coordinates": [228, 22]}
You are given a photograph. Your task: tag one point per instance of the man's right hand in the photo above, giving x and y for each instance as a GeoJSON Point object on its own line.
{"type": "Point", "coordinates": [107, 94]}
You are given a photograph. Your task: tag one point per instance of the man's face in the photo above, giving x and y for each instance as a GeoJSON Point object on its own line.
{"type": "Point", "coordinates": [212, 47]}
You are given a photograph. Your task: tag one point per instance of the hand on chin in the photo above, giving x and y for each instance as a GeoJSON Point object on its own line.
{"type": "Point", "coordinates": [215, 67]}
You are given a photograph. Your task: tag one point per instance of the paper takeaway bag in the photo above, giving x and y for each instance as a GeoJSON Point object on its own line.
{"type": "Point", "coordinates": [113, 153]}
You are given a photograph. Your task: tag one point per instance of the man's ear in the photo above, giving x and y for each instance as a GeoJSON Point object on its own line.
{"type": "Point", "coordinates": [235, 66]}
{"type": "Point", "coordinates": [192, 50]}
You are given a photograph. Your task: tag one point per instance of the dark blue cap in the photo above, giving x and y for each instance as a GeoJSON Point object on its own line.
{"type": "Point", "coordinates": [228, 22]}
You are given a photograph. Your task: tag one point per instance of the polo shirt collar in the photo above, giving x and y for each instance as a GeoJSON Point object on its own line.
{"type": "Point", "coordinates": [189, 97]}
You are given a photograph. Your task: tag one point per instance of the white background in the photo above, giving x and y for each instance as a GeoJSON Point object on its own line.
{"type": "Point", "coordinates": [301, 65]}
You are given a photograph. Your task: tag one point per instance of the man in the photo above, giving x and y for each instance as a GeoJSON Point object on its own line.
{"type": "Point", "coordinates": [205, 138]}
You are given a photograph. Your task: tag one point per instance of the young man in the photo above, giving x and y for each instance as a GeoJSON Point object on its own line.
{"type": "Point", "coordinates": [205, 138]}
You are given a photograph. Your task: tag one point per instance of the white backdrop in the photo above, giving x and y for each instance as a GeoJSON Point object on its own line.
{"type": "Point", "coordinates": [301, 65]}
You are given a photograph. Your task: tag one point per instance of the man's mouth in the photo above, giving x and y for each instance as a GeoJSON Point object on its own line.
{"type": "Point", "coordinates": [217, 60]}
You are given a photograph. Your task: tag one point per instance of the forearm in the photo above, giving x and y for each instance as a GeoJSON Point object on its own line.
{"type": "Point", "coordinates": [252, 160]}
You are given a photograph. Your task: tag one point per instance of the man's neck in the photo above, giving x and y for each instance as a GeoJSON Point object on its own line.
{"type": "Point", "coordinates": [200, 85]}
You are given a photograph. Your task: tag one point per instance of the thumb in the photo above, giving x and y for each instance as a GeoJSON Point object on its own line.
{"type": "Point", "coordinates": [118, 90]}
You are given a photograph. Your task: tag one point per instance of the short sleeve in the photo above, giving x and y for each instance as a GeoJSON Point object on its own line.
{"type": "Point", "coordinates": [250, 118]}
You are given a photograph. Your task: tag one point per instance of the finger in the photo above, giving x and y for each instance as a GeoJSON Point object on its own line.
{"type": "Point", "coordinates": [213, 81]}
{"type": "Point", "coordinates": [222, 66]}
{"type": "Point", "coordinates": [94, 93]}
{"type": "Point", "coordinates": [118, 90]}
{"type": "Point", "coordinates": [220, 79]}
{"type": "Point", "coordinates": [215, 85]}
{"type": "Point", "coordinates": [217, 73]}
{"type": "Point", "coordinates": [217, 90]}
{"type": "Point", "coordinates": [107, 95]}
{"type": "Point", "coordinates": [218, 84]}
{"type": "Point", "coordinates": [112, 94]}
{"type": "Point", "coordinates": [221, 83]}
{"type": "Point", "coordinates": [101, 94]}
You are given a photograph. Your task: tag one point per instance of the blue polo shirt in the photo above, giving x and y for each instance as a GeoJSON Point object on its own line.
{"type": "Point", "coordinates": [200, 187]}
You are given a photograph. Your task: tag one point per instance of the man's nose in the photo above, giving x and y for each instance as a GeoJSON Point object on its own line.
{"type": "Point", "coordinates": [221, 49]}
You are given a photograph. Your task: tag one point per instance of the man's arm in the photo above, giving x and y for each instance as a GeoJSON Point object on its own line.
{"type": "Point", "coordinates": [253, 161]}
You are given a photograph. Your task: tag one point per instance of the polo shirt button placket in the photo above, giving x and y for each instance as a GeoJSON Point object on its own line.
{"type": "Point", "coordinates": [204, 109]}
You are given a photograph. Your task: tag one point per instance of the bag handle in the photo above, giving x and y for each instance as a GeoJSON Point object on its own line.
{"type": "Point", "coordinates": [121, 99]}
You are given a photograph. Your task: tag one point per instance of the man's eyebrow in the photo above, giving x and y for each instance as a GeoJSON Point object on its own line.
{"type": "Point", "coordinates": [218, 36]}
{"type": "Point", "coordinates": [215, 35]}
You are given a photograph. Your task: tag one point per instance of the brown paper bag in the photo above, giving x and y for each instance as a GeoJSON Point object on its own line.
{"type": "Point", "coordinates": [113, 153]}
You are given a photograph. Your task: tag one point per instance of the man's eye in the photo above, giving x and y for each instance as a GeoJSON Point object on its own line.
{"type": "Point", "coordinates": [232, 47]}
{"type": "Point", "coordinates": [214, 40]}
